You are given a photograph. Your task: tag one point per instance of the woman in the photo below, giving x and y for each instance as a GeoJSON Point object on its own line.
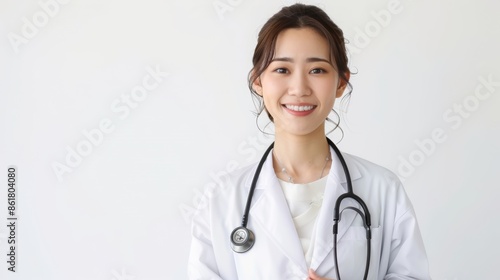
{"type": "Point", "coordinates": [299, 69]}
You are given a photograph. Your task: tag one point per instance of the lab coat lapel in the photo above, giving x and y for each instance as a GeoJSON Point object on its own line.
{"type": "Point", "coordinates": [336, 185]}
{"type": "Point", "coordinates": [273, 216]}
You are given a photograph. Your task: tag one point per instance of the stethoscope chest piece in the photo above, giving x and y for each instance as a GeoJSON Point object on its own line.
{"type": "Point", "coordinates": [242, 239]}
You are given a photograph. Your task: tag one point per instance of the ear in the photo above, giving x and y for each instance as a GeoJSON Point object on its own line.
{"type": "Point", "coordinates": [342, 85]}
{"type": "Point", "coordinates": [257, 86]}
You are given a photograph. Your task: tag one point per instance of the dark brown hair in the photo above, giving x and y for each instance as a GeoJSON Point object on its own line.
{"type": "Point", "coordinates": [297, 16]}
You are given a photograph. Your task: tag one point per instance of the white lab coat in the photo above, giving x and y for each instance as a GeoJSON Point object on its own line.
{"type": "Point", "coordinates": [397, 250]}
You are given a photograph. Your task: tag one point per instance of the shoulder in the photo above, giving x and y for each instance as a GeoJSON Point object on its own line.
{"type": "Point", "coordinates": [226, 184]}
{"type": "Point", "coordinates": [381, 189]}
{"type": "Point", "coordinates": [244, 174]}
{"type": "Point", "coordinates": [369, 169]}
{"type": "Point", "coordinates": [371, 180]}
{"type": "Point", "coordinates": [222, 202]}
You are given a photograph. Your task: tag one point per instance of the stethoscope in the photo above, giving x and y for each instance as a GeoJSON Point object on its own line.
{"type": "Point", "coordinates": [242, 239]}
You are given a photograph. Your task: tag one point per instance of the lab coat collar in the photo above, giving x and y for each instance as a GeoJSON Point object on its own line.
{"type": "Point", "coordinates": [270, 211]}
{"type": "Point", "coordinates": [271, 215]}
{"type": "Point", "coordinates": [336, 186]}
{"type": "Point", "coordinates": [337, 172]}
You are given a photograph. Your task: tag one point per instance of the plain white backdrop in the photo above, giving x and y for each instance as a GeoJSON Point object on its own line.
{"type": "Point", "coordinates": [118, 113]}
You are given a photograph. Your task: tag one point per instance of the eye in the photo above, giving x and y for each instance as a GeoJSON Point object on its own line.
{"type": "Point", "coordinates": [318, 71]}
{"type": "Point", "coordinates": [281, 70]}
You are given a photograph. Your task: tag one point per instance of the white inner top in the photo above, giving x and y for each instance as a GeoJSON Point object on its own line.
{"type": "Point", "coordinates": [304, 201]}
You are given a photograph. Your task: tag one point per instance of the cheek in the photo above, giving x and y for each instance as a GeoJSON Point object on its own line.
{"type": "Point", "coordinates": [326, 89]}
{"type": "Point", "coordinates": [273, 90]}
{"type": "Point", "coordinates": [328, 105]}
{"type": "Point", "coordinates": [272, 85]}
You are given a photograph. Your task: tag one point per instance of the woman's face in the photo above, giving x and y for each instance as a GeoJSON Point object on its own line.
{"type": "Point", "coordinates": [300, 85]}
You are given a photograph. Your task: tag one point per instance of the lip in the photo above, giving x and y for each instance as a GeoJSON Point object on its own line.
{"type": "Point", "coordinates": [299, 113]}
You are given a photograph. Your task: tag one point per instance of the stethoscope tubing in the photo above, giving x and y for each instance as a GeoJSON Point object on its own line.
{"type": "Point", "coordinates": [242, 247]}
{"type": "Point", "coordinates": [254, 184]}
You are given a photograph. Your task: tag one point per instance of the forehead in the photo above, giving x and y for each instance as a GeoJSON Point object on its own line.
{"type": "Point", "coordinates": [301, 42]}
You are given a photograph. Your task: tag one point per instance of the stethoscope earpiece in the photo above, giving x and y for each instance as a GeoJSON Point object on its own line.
{"type": "Point", "coordinates": [242, 239]}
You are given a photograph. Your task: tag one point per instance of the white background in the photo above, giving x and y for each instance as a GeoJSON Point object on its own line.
{"type": "Point", "coordinates": [123, 210]}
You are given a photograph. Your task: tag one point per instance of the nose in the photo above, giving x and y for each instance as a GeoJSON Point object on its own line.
{"type": "Point", "coordinates": [299, 84]}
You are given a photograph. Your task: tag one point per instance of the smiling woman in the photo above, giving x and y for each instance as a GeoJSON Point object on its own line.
{"type": "Point", "coordinates": [301, 67]}
{"type": "Point", "coordinates": [298, 193]}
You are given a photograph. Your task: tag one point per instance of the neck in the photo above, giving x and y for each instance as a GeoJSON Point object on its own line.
{"type": "Point", "coordinates": [304, 157]}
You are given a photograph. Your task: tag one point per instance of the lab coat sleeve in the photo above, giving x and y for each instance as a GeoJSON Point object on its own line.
{"type": "Point", "coordinates": [202, 261]}
{"type": "Point", "coordinates": [408, 259]}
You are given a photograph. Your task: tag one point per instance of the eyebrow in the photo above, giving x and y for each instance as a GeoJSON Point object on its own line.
{"type": "Point", "coordinates": [309, 59]}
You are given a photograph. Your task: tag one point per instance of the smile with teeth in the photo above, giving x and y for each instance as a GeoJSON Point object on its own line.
{"type": "Point", "coordinates": [299, 108]}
